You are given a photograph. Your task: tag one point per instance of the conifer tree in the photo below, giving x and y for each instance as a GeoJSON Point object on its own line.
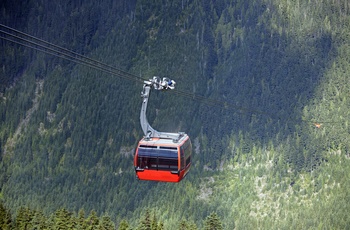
{"type": "Point", "coordinates": [192, 226]}
{"type": "Point", "coordinates": [150, 222]}
{"type": "Point", "coordinates": [5, 218]}
{"type": "Point", "coordinates": [93, 220]}
{"type": "Point", "coordinates": [24, 218]}
{"type": "Point", "coordinates": [154, 223]}
{"type": "Point", "coordinates": [212, 222]}
{"type": "Point", "coordinates": [186, 225]}
{"type": "Point", "coordinates": [39, 221]}
{"type": "Point", "coordinates": [106, 223]}
{"type": "Point", "coordinates": [63, 219]}
{"type": "Point", "coordinates": [81, 221]}
{"type": "Point", "coordinates": [124, 225]}
{"type": "Point", "coordinates": [183, 225]}
{"type": "Point", "coordinates": [145, 222]}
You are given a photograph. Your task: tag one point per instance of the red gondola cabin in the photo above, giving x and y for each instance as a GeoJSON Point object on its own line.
{"type": "Point", "coordinates": [160, 159]}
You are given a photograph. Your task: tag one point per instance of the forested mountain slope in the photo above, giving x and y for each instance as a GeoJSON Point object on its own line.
{"type": "Point", "coordinates": [271, 136]}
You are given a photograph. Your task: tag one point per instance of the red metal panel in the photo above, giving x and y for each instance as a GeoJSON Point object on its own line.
{"type": "Point", "coordinates": [155, 175]}
{"type": "Point", "coordinates": [164, 176]}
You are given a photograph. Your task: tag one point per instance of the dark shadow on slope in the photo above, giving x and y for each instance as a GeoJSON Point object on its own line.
{"type": "Point", "coordinates": [266, 81]}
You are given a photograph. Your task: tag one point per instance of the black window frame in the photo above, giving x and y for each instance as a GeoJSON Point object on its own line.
{"type": "Point", "coordinates": [158, 158]}
{"type": "Point", "coordinates": [186, 151]}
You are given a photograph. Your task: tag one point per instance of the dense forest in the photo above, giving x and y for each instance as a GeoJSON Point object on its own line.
{"type": "Point", "coordinates": [63, 219]}
{"type": "Point", "coordinates": [266, 106]}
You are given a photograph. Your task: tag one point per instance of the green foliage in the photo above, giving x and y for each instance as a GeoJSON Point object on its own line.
{"type": "Point", "coordinates": [63, 219]}
{"type": "Point", "coordinates": [150, 222]}
{"type": "Point", "coordinates": [5, 218]}
{"type": "Point", "coordinates": [106, 223]}
{"type": "Point", "coordinates": [24, 219]}
{"type": "Point", "coordinates": [124, 225]}
{"type": "Point", "coordinates": [187, 225]}
{"type": "Point", "coordinates": [212, 222]}
{"type": "Point", "coordinates": [82, 223]}
{"type": "Point", "coordinates": [93, 220]}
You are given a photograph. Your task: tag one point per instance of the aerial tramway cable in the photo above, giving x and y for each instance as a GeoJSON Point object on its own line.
{"type": "Point", "coordinates": [30, 41]}
{"type": "Point", "coordinates": [60, 52]}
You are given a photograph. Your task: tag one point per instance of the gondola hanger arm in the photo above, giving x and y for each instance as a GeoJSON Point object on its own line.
{"type": "Point", "coordinates": [158, 84]}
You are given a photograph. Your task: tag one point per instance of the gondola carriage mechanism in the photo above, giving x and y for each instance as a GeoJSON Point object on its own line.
{"type": "Point", "coordinates": [161, 156]}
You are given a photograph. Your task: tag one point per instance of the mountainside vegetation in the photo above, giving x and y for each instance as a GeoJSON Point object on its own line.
{"type": "Point", "coordinates": [266, 106]}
